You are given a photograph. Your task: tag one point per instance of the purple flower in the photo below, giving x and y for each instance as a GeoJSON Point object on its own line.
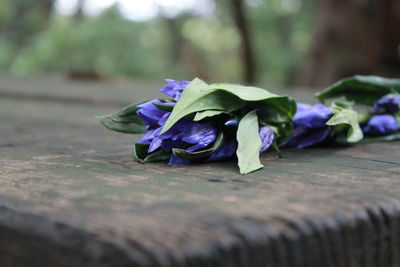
{"type": "Point", "coordinates": [228, 148]}
{"type": "Point", "coordinates": [226, 151]}
{"type": "Point", "coordinates": [309, 125]}
{"type": "Point", "coordinates": [192, 136]}
{"type": "Point", "coordinates": [174, 160]}
{"type": "Point", "coordinates": [311, 116]}
{"type": "Point", "coordinates": [199, 134]}
{"type": "Point", "coordinates": [387, 104]}
{"type": "Point", "coordinates": [305, 137]}
{"type": "Point", "coordinates": [381, 125]}
{"type": "Point", "coordinates": [148, 137]}
{"type": "Point", "coordinates": [267, 137]}
{"type": "Point", "coordinates": [174, 88]}
{"type": "Point", "coordinates": [150, 113]}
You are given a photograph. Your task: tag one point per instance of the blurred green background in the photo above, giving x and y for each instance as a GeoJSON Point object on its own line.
{"type": "Point", "coordinates": [276, 42]}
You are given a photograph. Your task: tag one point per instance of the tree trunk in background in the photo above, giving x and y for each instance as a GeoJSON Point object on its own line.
{"type": "Point", "coordinates": [354, 37]}
{"type": "Point", "coordinates": [176, 38]}
{"type": "Point", "coordinates": [47, 6]}
{"type": "Point", "coordinates": [16, 25]}
{"type": "Point", "coordinates": [28, 17]}
{"type": "Point", "coordinates": [247, 53]}
{"type": "Point", "coordinates": [78, 15]}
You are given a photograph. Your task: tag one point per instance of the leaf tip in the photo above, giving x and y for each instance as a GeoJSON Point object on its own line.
{"type": "Point", "coordinates": [244, 171]}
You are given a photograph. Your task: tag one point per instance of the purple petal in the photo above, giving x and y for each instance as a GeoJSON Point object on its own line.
{"type": "Point", "coordinates": [225, 151]}
{"type": "Point", "coordinates": [148, 137]}
{"type": "Point", "coordinates": [167, 145]}
{"type": "Point", "coordinates": [164, 118]}
{"type": "Point", "coordinates": [156, 142]}
{"type": "Point", "coordinates": [302, 107]}
{"type": "Point", "coordinates": [313, 137]}
{"type": "Point", "coordinates": [199, 134]}
{"type": "Point", "coordinates": [381, 125]}
{"type": "Point", "coordinates": [174, 160]}
{"type": "Point", "coordinates": [150, 113]}
{"type": "Point", "coordinates": [174, 88]}
{"type": "Point", "coordinates": [311, 116]}
{"type": "Point", "coordinates": [267, 137]}
{"type": "Point", "coordinates": [296, 136]}
{"type": "Point", "coordinates": [387, 104]}
{"type": "Point", "coordinates": [175, 130]}
{"type": "Point", "coordinates": [305, 137]}
{"type": "Point", "coordinates": [232, 122]}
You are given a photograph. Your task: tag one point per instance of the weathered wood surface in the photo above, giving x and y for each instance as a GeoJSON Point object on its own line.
{"type": "Point", "coordinates": [70, 194]}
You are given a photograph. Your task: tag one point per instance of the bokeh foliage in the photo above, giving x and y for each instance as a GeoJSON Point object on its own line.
{"type": "Point", "coordinates": [181, 47]}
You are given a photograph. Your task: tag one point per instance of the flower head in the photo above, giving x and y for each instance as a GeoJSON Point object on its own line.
{"type": "Point", "coordinates": [192, 136]}
{"type": "Point", "coordinates": [150, 113]}
{"type": "Point", "coordinates": [267, 137]}
{"type": "Point", "coordinates": [381, 125]}
{"type": "Point", "coordinates": [224, 152]}
{"type": "Point", "coordinates": [387, 104]}
{"type": "Point", "coordinates": [309, 125]}
{"type": "Point", "coordinates": [174, 88]}
{"type": "Point", "coordinates": [311, 116]}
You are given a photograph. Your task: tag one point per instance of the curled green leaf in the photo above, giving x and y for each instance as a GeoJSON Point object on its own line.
{"type": "Point", "coordinates": [249, 144]}
{"type": "Point", "coordinates": [140, 154]}
{"type": "Point", "coordinates": [348, 117]}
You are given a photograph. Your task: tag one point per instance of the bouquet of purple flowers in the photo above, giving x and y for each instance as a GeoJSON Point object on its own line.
{"type": "Point", "coordinates": [207, 123]}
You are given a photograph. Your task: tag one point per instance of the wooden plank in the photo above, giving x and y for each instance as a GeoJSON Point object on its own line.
{"type": "Point", "coordinates": [70, 195]}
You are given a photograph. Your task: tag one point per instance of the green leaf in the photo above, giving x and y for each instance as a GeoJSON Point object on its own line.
{"type": "Point", "coordinates": [121, 126]}
{"type": "Point", "coordinates": [272, 109]}
{"type": "Point", "coordinates": [343, 104]}
{"type": "Point", "coordinates": [247, 93]}
{"type": "Point", "coordinates": [361, 89]}
{"type": "Point", "coordinates": [278, 108]}
{"type": "Point", "coordinates": [347, 117]}
{"type": "Point", "coordinates": [182, 153]}
{"type": "Point", "coordinates": [140, 154]}
{"type": "Point", "coordinates": [249, 143]}
{"type": "Point", "coordinates": [198, 96]}
{"type": "Point", "coordinates": [168, 108]}
{"type": "Point", "coordinates": [156, 156]}
{"type": "Point", "coordinates": [130, 109]}
{"type": "Point", "coordinates": [390, 137]}
{"type": "Point", "coordinates": [125, 121]}
{"type": "Point", "coordinates": [207, 113]}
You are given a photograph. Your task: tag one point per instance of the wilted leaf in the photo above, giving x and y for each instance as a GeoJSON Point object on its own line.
{"type": "Point", "coordinates": [348, 117]}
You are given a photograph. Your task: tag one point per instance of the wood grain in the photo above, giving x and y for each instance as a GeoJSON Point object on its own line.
{"type": "Point", "coordinates": [70, 195]}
